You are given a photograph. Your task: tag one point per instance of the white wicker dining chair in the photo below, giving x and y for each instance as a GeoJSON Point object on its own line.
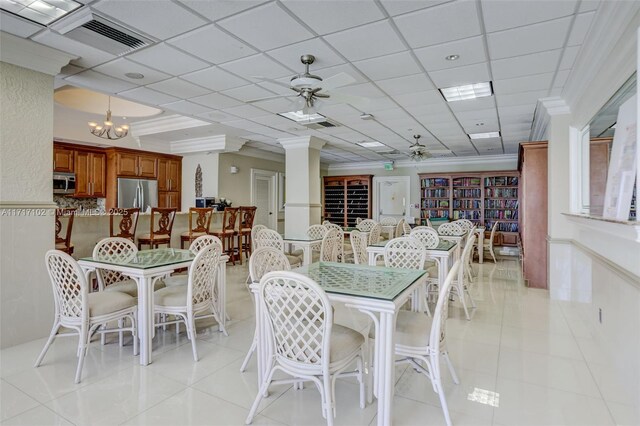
{"type": "Point", "coordinates": [359, 246]}
{"type": "Point", "coordinates": [426, 219]}
{"type": "Point", "coordinates": [263, 260]}
{"type": "Point", "coordinates": [427, 236]}
{"type": "Point", "coordinates": [374, 234]}
{"type": "Point", "coordinates": [421, 340]}
{"type": "Point", "coordinates": [83, 312]}
{"type": "Point", "coordinates": [307, 344]}
{"type": "Point", "coordinates": [488, 245]}
{"type": "Point", "coordinates": [406, 228]}
{"type": "Point", "coordinates": [388, 221]}
{"type": "Point", "coordinates": [331, 246]}
{"type": "Point", "coordinates": [465, 224]}
{"type": "Point", "coordinates": [450, 229]}
{"type": "Point", "coordinates": [195, 247]}
{"type": "Point", "coordinates": [316, 232]}
{"type": "Point", "coordinates": [197, 297]}
{"type": "Point", "coordinates": [468, 240]}
{"type": "Point", "coordinates": [270, 238]}
{"type": "Point", "coordinates": [346, 251]}
{"type": "Point", "coordinates": [404, 252]}
{"type": "Point", "coordinates": [366, 225]}
{"type": "Point", "coordinates": [400, 228]}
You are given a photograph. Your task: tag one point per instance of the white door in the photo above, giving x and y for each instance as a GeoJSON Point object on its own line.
{"type": "Point", "coordinates": [263, 196]}
{"type": "Point", "coordinates": [391, 196]}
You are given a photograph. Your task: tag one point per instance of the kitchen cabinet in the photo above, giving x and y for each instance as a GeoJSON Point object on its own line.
{"type": "Point", "coordinates": [62, 159]}
{"type": "Point", "coordinates": [168, 174]}
{"type": "Point", "coordinates": [90, 168]}
{"type": "Point", "coordinates": [169, 199]}
{"type": "Point", "coordinates": [132, 164]}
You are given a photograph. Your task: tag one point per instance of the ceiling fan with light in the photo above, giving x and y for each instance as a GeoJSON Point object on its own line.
{"type": "Point", "coordinates": [310, 88]}
{"type": "Point", "coordinates": [420, 152]}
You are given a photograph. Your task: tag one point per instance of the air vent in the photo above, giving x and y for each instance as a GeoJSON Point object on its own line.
{"type": "Point", "coordinates": [114, 34]}
{"type": "Point", "coordinates": [320, 125]}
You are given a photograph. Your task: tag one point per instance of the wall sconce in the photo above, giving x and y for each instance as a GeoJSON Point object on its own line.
{"type": "Point", "coordinates": [233, 170]}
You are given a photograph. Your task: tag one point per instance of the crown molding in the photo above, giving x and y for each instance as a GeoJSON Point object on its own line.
{"type": "Point", "coordinates": [545, 109]}
{"type": "Point", "coordinates": [31, 55]}
{"type": "Point", "coordinates": [504, 162]}
{"type": "Point", "coordinates": [221, 143]}
{"type": "Point", "coordinates": [163, 124]}
{"type": "Point", "coordinates": [311, 142]}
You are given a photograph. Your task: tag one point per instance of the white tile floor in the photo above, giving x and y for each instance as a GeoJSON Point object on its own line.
{"type": "Point", "coordinates": [523, 359]}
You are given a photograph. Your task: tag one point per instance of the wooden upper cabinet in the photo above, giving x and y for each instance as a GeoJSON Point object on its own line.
{"type": "Point", "coordinates": [98, 174]}
{"type": "Point", "coordinates": [168, 174]}
{"type": "Point", "coordinates": [136, 165]}
{"type": "Point", "coordinates": [83, 173]}
{"type": "Point", "coordinates": [148, 166]}
{"type": "Point", "coordinates": [90, 174]}
{"type": "Point", "coordinates": [62, 160]}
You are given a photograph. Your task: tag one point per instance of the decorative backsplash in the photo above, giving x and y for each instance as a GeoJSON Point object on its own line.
{"type": "Point", "coordinates": [80, 203]}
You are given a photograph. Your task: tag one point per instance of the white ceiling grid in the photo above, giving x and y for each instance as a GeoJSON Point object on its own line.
{"type": "Point", "coordinates": [207, 52]}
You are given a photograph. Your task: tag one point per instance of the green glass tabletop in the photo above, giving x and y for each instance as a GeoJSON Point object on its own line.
{"type": "Point", "coordinates": [301, 238]}
{"type": "Point", "coordinates": [349, 228]}
{"type": "Point", "coordinates": [443, 245]}
{"type": "Point", "coordinates": [375, 282]}
{"type": "Point", "coordinates": [146, 259]}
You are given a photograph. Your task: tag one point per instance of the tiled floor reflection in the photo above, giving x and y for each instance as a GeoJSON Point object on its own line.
{"type": "Point", "coordinates": [523, 359]}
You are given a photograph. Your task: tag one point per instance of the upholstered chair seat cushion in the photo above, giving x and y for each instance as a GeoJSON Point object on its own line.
{"type": "Point", "coordinates": [107, 302]}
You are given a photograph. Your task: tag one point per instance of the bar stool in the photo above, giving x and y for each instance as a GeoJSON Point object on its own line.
{"type": "Point", "coordinates": [203, 221]}
{"type": "Point", "coordinates": [161, 235]}
{"type": "Point", "coordinates": [64, 243]}
{"type": "Point", "coordinates": [127, 226]}
{"type": "Point", "coordinates": [228, 231]}
{"type": "Point", "coordinates": [247, 214]}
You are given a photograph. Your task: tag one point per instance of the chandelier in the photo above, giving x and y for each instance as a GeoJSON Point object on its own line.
{"type": "Point", "coordinates": [108, 130]}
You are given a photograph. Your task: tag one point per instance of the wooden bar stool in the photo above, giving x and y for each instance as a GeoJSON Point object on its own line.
{"type": "Point", "coordinates": [162, 234]}
{"type": "Point", "coordinates": [64, 243]}
{"type": "Point", "coordinates": [247, 214]}
{"type": "Point", "coordinates": [228, 232]}
{"type": "Point", "coordinates": [127, 226]}
{"type": "Point", "coordinates": [203, 221]}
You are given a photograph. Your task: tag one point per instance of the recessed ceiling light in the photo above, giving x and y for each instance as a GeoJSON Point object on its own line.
{"type": "Point", "coordinates": [134, 75]}
{"type": "Point", "coordinates": [301, 117]}
{"type": "Point", "coordinates": [372, 144]}
{"type": "Point", "coordinates": [468, 91]}
{"type": "Point", "coordinates": [41, 11]}
{"type": "Point", "coordinates": [365, 116]}
{"type": "Point", "coordinates": [452, 57]}
{"type": "Point", "coordinates": [486, 135]}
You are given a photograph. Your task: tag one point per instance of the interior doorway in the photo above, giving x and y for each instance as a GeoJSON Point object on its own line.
{"type": "Point", "coordinates": [391, 196]}
{"type": "Point", "coordinates": [264, 197]}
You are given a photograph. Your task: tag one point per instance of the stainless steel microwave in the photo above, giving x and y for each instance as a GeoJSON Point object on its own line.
{"type": "Point", "coordinates": [64, 183]}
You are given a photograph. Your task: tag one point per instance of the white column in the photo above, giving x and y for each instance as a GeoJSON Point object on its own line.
{"type": "Point", "coordinates": [303, 185]}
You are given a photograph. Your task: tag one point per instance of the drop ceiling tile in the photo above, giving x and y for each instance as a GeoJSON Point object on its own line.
{"type": "Point", "coordinates": [246, 111]}
{"type": "Point", "coordinates": [199, 43]}
{"type": "Point", "coordinates": [257, 65]}
{"type": "Point", "coordinates": [473, 104]}
{"type": "Point", "coordinates": [587, 5]}
{"type": "Point", "coordinates": [470, 51]}
{"type": "Point", "coordinates": [275, 121]}
{"type": "Point", "coordinates": [516, 119]}
{"type": "Point", "coordinates": [379, 104]}
{"type": "Point", "coordinates": [507, 111]}
{"type": "Point", "coordinates": [266, 27]}
{"type": "Point", "coordinates": [121, 66]}
{"type": "Point", "coordinates": [367, 90]}
{"type": "Point", "coordinates": [18, 26]}
{"type": "Point", "coordinates": [148, 96]}
{"type": "Point", "coordinates": [398, 7]}
{"type": "Point", "coordinates": [100, 82]}
{"type": "Point", "coordinates": [186, 107]}
{"type": "Point", "coordinates": [274, 105]}
{"type": "Point", "coordinates": [556, 91]}
{"type": "Point", "coordinates": [407, 84]}
{"type": "Point", "coordinates": [580, 28]}
{"type": "Point", "coordinates": [440, 24]}
{"type": "Point", "coordinates": [162, 19]}
{"type": "Point", "coordinates": [216, 101]}
{"type": "Point", "coordinates": [367, 41]}
{"type": "Point", "coordinates": [516, 128]}
{"type": "Point", "coordinates": [569, 57]}
{"type": "Point", "coordinates": [475, 127]}
{"type": "Point", "coordinates": [249, 92]}
{"type": "Point", "coordinates": [523, 84]}
{"type": "Point", "coordinates": [328, 16]}
{"type": "Point", "coordinates": [437, 108]}
{"type": "Point", "coordinates": [179, 88]}
{"type": "Point", "coordinates": [477, 115]}
{"type": "Point", "coordinates": [501, 15]}
{"type": "Point", "coordinates": [389, 66]}
{"type": "Point", "coordinates": [215, 79]}
{"type": "Point", "coordinates": [217, 116]}
{"type": "Point", "coordinates": [328, 72]}
{"type": "Point", "coordinates": [418, 98]}
{"type": "Point", "coordinates": [469, 74]}
{"type": "Point", "coordinates": [535, 63]}
{"type": "Point", "coordinates": [290, 55]}
{"type": "Point", "coordinates": [530, 39]}
{"type": "Point", "coordinates": [218, 9]}
{"type": "Point", "coordinates": [561, 78]}
{"type": "Point", "coordinates": [168, 59]}
{"type": "Point", "coordinates": [525, 98]}
{"type": "Point", "coordinates": [87, 56]}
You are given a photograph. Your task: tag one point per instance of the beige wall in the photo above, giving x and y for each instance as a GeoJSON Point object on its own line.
{"type": "Point", "coordinates": [26, 134]}
{"type": "Point", "coordinates": [209, 166]}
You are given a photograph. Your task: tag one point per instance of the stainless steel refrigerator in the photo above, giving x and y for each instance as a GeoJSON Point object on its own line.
{"type": "Point", "coordinates": [137, 193]}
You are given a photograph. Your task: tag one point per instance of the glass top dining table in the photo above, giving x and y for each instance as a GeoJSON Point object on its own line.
{"type": "Point", "coordinates": [145, 259]}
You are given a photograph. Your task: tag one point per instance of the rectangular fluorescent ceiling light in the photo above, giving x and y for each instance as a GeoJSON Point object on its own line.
{"type": "Point", "coordinates": [466, 92]}
{"type": "Point", "coordinates": [301, 117]}
{"type": "Point", "coordinates": [41, 11]}
{"type": "Point", "coordinates": [484, 135]}
{"type": "Point", "coordinates": [370, 144]}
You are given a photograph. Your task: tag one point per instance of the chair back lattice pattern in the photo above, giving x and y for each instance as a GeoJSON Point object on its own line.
{"type": "Point", "coordinates": [203, 242]}
{"type": "Point", "coordinates": [358, 220]}
{"type": "Point", "coordinates": [388, 221]}
{"type": "Point", "coordinates": [450, 229]}
{"type": "Point", "coordinates": [269, 238]}
{"type": "Point", "coordinates": [427, 236]}
{"type": "Point", "coordinates": [404, 252]}
{"type": "Point", "coordinates": [400, 228]}
{"type": "Point", "coordinates": [406, 228]}
{"type": "Point", "coordinates": [229, 218]}
{"type": "Point", "coordinates": [330, 225]}
{"type": "Point", "coordinates": [359, 246]}
{"type": "Point", "coordinates": [267, 259]}
{"type": "Point", "coordinates": [316, 232]}
{"type": "Point", "coordinates": [247, 215]}
{"type": "Point", "coordinates": [115, 249]}
{"type": "Point", "coordinates": [202, 276]}
{"type": "Point", "coordinates": [493, 232]}
{"type": "Point", "coordinates": [127, 226]}
{"type": "Point", "coordinates": [374, 234]}
{"type": "Point", "coordinates": [202, 219]}
{"type": "Point", "coordinates": [66, 237]}
{"type": "Point", "coordinates": [366, 225]}
{"type": "Point", "coordinates": [164, 221]}
{"type": "Point", "coordinates": [331, 246]}
{"type": "Point", "coordinates": [300, 317]}
{"type": "Point", "coordinates": [254, 233]}
{"type": "Point", "coordinates": [69, 285]}
{"type": "Point", "coordinates": [465, 224]}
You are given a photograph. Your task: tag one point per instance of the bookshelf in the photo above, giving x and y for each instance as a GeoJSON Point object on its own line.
{"type": "Point", "coordinates": [346, 198]}
{"type": "Point", "coordinates": [482, 198]}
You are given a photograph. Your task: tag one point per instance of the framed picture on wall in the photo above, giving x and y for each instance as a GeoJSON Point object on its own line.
{"type": "Point", "coordinates": [282, 196]}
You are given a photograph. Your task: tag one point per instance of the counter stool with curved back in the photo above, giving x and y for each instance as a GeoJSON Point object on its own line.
{"type": "Point", "coordinates": [161, 234]}
{"type": "Point", "coordinates": [63, 243]}
{"type": "Point", "coordinates": [247, 215]}
{"type": "Point", "coordinates": [127, 226]}
{"type": "Point", "coordinates": [201, 227]}
{"type": "Point", "coordinates": [228, 232]}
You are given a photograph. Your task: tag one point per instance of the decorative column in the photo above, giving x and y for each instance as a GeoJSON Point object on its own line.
{"type": "Point", "coordinates": [303, 186]}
